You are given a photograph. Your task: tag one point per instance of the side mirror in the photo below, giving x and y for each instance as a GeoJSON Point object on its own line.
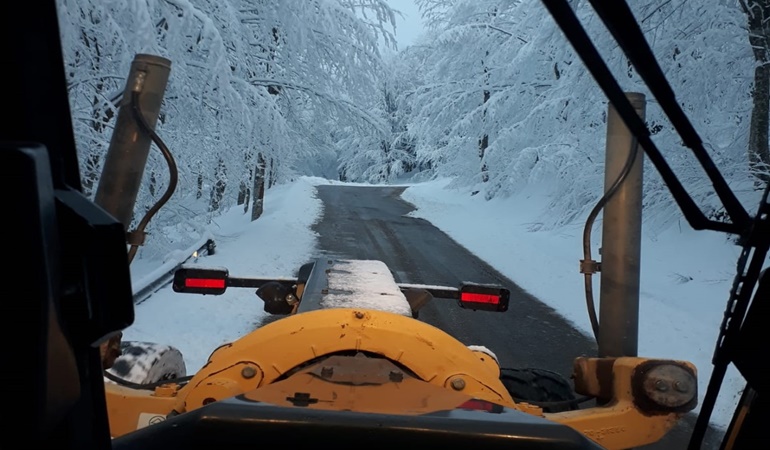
{"type": "Point", "coordinates": [479, 297]}
{"type": "Point", "coordinates": [201, 281]}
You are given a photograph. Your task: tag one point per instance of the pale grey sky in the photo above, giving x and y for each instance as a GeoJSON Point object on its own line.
{"type": "Point", "coordinates": [408, 27]}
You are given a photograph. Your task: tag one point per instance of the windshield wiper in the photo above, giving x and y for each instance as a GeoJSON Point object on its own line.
{"type": "Point", "coordinates": [631, 40]}
{"type": "Point", "coordinates": [754, 232]}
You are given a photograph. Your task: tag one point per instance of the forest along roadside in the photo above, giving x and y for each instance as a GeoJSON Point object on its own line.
{"type": "Point", "coordinates": [370, 222]}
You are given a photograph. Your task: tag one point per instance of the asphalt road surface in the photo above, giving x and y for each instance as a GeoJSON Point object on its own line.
{"type": "Point", "coordinates": [371, 223]}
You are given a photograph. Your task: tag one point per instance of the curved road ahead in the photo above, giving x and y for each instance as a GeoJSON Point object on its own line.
{"type": "Point", "coordinates": [371, 223]}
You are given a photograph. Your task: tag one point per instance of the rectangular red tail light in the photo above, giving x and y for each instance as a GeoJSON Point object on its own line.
{"type": "Point", "coordinates": [484, 297]}
{"type": "Point", "coordinates": [479, 298]}
{"type": "Point", "coordinates": [206, 283]}
{"type": "Point", "coordinates": [193, 280]}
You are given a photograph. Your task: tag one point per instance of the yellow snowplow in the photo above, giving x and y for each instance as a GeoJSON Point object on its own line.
{"type": "Point", "coordinates": [350, 348]}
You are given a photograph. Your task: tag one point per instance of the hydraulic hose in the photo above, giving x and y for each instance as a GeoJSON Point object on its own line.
{"type": "Point", "coordinates": [587, 236]}
{"type": "Point", "coordinates": [172, 168]}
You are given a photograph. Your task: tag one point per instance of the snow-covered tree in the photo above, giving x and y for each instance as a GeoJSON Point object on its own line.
{"type": "Point", "coordinates": [758, 21]}
{"type": "Point", "coordinates": [501, 74]}
{"type": "Point", "coordinates": [249, 81]}
{"type": "Point", "coordinates": [494, 97]}
{"type": "Point", "coordinates": [385, 153]}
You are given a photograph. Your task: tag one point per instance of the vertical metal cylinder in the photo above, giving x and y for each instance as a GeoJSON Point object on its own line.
{"type": "Point", "coordinates": [130, 144]}
{"type": "Point", "coordinates": [621, 240]}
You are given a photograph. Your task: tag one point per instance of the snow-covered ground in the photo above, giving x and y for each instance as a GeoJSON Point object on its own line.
{"type": "Point", "coordinates": [686, 275]}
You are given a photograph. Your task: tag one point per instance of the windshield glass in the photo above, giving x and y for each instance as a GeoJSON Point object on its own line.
{"type": "Point", "coordinates": [456, 141]}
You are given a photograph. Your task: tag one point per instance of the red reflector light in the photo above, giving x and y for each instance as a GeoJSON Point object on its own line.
{"type": "Point", "coordinates": [193, 280]}
{"type": "Point", "coordinates": [479, 298]}
{"type": "Point", "coordinates": [206, 283]}
{"type": "Point", "coordinates": [481, 405]}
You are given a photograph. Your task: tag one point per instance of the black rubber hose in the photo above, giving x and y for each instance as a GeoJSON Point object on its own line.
{"type": "Point", "coordinates": [587, 235]}
{"type": "Point", "coordinates": [172, 168]}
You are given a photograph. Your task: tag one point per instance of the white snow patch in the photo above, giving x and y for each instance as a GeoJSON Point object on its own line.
{"type": "Point", "coordinates": [482, 349]}
{"type": "Point", "coordinates": [148, 276]}
{"type": "Point", "coordinates": [365, 284]}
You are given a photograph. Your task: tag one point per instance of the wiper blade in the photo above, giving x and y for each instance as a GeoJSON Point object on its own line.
{"type": "Point", "coordinates": [631, 39]}
{"type": "Point", "coordinates": [632, 35]}
{"type": "Point", "coordinates": [754, 232]}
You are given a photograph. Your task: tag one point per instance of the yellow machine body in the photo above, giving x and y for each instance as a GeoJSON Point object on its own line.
{"type": "Point", "coordinates": [373, 361]}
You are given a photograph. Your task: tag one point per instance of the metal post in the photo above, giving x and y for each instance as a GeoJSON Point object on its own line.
{"type": "Point", "coordinates": [621, 240]}
{"type": "Point", "coordinates": [130, 145]}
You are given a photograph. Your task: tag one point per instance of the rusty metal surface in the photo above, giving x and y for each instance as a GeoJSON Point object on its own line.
{"type": "Point", "coordinates": [664, 386]}
{"type": "Point", "coordinates": [403, 396]}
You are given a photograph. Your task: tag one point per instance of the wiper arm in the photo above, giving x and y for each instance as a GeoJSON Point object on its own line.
{"type": "Point", "coordinates": [754, 232]}
{"type": "Point", "coordinates": [638, 51]}
{"type": "Point", "coordinates": [570, 25]}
